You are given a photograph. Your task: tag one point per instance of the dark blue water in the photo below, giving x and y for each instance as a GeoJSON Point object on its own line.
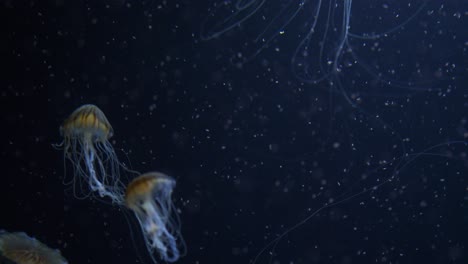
{"type": "Point", "coordinates": [339, 129]}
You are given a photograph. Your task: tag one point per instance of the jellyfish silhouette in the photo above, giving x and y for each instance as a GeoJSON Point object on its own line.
{"type": "Point", "coordinates": [96, 168]}
{"type": "Point", "coordinates": [149, 197]}
{"type": "Point", "coordinates": [19, 248]}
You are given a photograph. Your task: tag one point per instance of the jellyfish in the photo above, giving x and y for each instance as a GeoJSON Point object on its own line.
{"type": "Point", "coordinates": [96, 168]}
{"type": "Point", "coordinates": [19, 248]}
{"type": "Point", "coordinates": [326, 43]}
{"type": "Point", "coordinates": [149, 197]}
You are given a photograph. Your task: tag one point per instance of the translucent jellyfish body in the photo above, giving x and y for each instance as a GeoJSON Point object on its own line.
{"type": "Point", "coordinates": [149, 197]}
{"type": "Point", "coordinates": [19, 248]}
{"type": "Point", "coordinates": [96, 168]}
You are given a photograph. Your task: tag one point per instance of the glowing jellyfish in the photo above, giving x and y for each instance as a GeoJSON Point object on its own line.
{"type": "Point", "coordinates": [149, 197]}
{"type": "Point", "coordinates": [22, 249]}
{"type": "Point", "coordinates": [86, 145]}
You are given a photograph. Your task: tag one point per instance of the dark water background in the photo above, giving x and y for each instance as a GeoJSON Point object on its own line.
{"type": "Point", "coordinates": [253, 148]}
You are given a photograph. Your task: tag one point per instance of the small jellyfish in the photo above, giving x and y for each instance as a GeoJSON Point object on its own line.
{"type": "Point", "coordinates": [19, 248]}
{"type": "Point", "coordinates": [96, 168]}
{"type": "Point", "coordinates": [149, 197]}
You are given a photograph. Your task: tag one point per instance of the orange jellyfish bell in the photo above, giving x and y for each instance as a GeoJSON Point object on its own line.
{"type": "Point", "coordinates": [87, 120]}
{"type": "Point", "coordinates": [144, 186]}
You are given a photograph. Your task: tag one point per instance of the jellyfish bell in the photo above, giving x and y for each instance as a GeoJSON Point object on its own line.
{"type": "Point", "coordinates": [145, 185]}
{"type": "Point", "coordinates": [87, 121]}
{"type": "Point", "coordinates": [149, 197]}
{"type": "Point", "coordinates": [19, 248]}
{"type": "Point", "coordinates": [96, 168]}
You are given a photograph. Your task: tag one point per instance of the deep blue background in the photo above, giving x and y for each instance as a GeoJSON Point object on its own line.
{"type": "Point", "coordinates": [254, 149]}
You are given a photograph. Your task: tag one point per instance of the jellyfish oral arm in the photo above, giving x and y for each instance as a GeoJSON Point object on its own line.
{"type": "Point", "coordinates": [94, 183]}
{"type": "Point", "coordinates": [152, 223]}
{"type": "Point", "coordinates": [156, 232]}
